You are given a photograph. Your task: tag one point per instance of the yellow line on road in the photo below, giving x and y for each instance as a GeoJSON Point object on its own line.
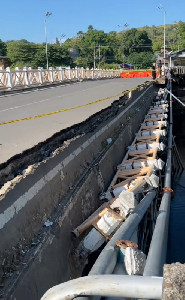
{"type": "Point", "coordinates": [65, 109]}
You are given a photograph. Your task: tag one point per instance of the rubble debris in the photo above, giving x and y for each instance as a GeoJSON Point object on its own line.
{"type": "Point", "coordinates": [109, 141]}
{"type": "Point", "coordinates": [135, 261]}
{"type": "Point", "coordinates": [48, 223]}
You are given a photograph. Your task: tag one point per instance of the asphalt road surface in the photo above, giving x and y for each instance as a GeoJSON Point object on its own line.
{"type": "Point", "coordinates": [17, 137]}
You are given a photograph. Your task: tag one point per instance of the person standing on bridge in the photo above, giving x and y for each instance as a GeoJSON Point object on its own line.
{"type": "Point", "coordinates": [159, 66]}
{"type": "Point", "coordinates": [153, 72]}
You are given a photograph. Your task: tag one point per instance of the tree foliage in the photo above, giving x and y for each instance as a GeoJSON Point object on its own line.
{"type": "Point", "coordinates": [136, 41]}
{"type": "Point", "coordinates": [134, 46]}
{"type": "Point", "coordinates": [141, 60]}
{"type": "Point", "coordinates": [34, 55]}
{"type": "Point", "coordinates": [2, 48]}
{"type": "Point", "coordinates": [175, 35]}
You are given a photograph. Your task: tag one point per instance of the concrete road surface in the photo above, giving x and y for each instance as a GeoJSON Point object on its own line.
{"type": "Point", "coordinates": [17, 137]}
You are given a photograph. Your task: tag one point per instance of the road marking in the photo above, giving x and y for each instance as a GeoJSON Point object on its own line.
{"type": "Point", "coordinates": [66, 109]}
{"type": "Point", "coordinates": [19, 106]}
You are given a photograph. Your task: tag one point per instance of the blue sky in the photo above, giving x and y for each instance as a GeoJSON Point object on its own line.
{"type": "Point", "coordinates": [25, 19]}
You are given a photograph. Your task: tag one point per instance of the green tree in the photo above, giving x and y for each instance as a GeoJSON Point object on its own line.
{"type": "Point", "coordinates": [90, 41]}
{"type": "Point", "coordinates": [81, 62]}
{"type": "Point", "coordinates": [181, 34]}
{"type": "Point", "coordinates": [136, 41]}
{"type": "Point", "coordinates": [34, 55]}
{"type": "Point", "coordinates": [141, 60]}
{"type": "Point", "coordinates": [58, 56]}
{"type": "Point", "coordinates": [90, 28]}
{"type": "Point", "coordinates": [2, 48]}
{"type": "Point", "coordinates": [80, 34]}
{"type": "Point", "coordinates": [21, 53]}
{"type": "Point", "coordinates": [157, 46]}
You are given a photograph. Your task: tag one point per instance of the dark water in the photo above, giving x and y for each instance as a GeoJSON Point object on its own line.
{"type": "Point", "coordinates": [176, 236]}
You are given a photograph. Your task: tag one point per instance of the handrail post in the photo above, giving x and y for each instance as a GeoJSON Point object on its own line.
{"type": "Point", "coordinates": [51, 74]}
{"type": "Point", "coordinates": [25, 70]}
{"type": "Point", "coordinates": [69, 73]}
{"type": "Point", "coordinates": [40, 75]}
{"type": "Point", "coordinates": [10, 79]}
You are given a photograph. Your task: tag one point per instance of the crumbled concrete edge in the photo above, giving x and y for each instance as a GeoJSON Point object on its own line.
{"type": "Point", "coordinates": [174, 282]}
{"type": "Point", "coordinates": [30, 169]}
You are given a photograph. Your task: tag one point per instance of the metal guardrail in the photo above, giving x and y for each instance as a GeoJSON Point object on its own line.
{"type": "Point", "coordinates": [107, 259]}
{"type": "Point", "coordinates": [158, 247]}
{"type": "Point", "coordinates": [27, 77]}
{"type": "Point", "coordinates": [108, 285]}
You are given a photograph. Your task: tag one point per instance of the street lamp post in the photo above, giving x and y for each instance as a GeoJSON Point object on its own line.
{"type": "Point", "coordinates": [45, 27]}
{"type": "Point", "coordinates": [124, 26]}
{"type": "Point", "coordinates": [162, 8]}
{"type": "Point", "coordinates": [164, 36]}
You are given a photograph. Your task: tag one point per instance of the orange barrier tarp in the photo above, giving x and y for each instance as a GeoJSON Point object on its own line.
{"type": "Point", "coordinates": [136, 74]}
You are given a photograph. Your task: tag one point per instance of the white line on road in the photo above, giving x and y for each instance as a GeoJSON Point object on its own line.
{"type": "Point", "coordinates": [15, 107]}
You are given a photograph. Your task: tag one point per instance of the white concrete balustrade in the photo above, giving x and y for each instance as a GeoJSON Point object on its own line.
{"type": "Point", "coordinates": [27, 77]}
{"type": "Point", "coordinates": [179, 69]}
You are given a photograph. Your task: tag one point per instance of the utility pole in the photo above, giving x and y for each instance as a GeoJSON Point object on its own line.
{"type": "Point", "coordinates": [99, 55]}
{"type": "Point", "coordinates": [164, 36]}
{"type": "Point", "coordinates": [162, 8]}
{"type": "Point", "coordinates": [94, 57]}
{"type": "Point", "coordinates": [45, 27]}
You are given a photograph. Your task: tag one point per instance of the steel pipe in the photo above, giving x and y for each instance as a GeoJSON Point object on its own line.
{"type": "Point", "coordinates": [158, 247]}
{"type": "Point", "coordinates": [107, 259]}
{"type": "Point", "coordinates": [108, 286]}
{"type": "Point", "coordinates": [172, 95]}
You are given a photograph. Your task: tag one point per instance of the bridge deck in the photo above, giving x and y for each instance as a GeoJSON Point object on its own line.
{"type": "Point", "coordinates": [19, 136]}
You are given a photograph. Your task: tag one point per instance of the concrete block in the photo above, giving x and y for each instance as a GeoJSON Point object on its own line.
{"type": "Point", "coordinates": [125, 203]}
{"type": "Point", "coordinates": [108, 223]}
{"type": "Point", "coordinates": [134, 261]}
{"type": "Point", "coordinates": [174, 282]}
{"type": "Point", "coordinates": [153, 180]}
{"type": "Point", "coordinates": [93, 240]}
{"type": "Point", "coordinates": [159, 164]}
{"type": "Point", "coordinates": [162, 147]}
{"type": "Point", "coordinates": [105, 196]}
{"type": "Point", "coordinates": [118, 190]}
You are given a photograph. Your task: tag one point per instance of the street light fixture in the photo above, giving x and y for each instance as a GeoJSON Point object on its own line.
{"type": "Point", "coordinates": [62, 38]}
{"type": "Point", "coordinates": [45, 27]}
{"type": "Point", "coordinates": [124, 26]}
{"type": "Point", "coordinates": [162, 8]}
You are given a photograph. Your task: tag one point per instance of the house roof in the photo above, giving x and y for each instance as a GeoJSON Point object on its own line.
{"type": "Point", "coordinates": [128, 65]}
{"type": "Point", "coordinates": [178, 54]}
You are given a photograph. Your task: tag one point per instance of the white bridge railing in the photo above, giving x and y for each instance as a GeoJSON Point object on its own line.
{"type": "Point", "coordinates": [179, 69]}
{"type": "Point", "coordinates": [27, 77]}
